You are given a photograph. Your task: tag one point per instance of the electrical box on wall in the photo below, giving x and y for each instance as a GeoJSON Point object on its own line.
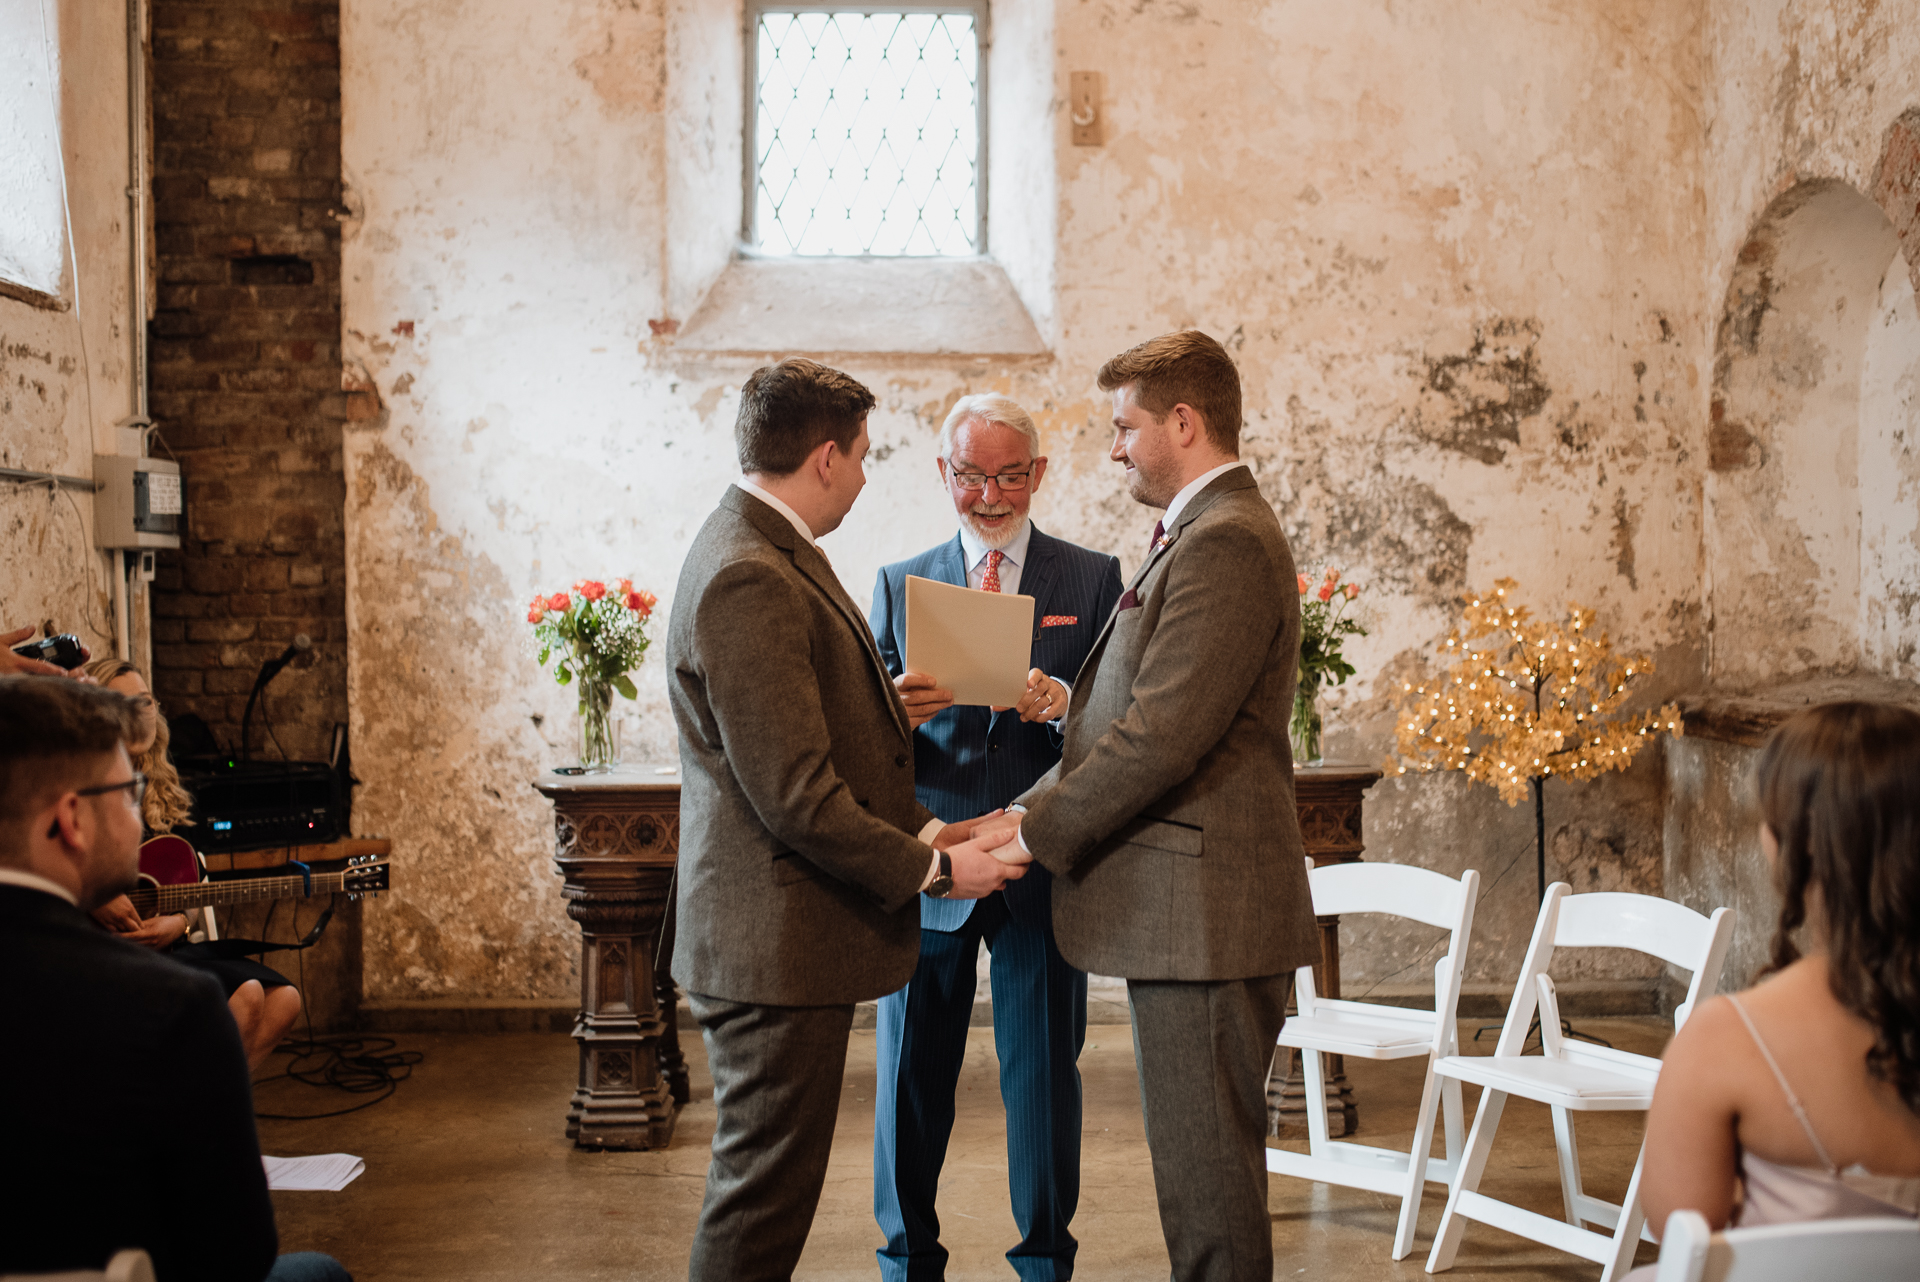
{"type": "Point", "coordinates": [138, 502]}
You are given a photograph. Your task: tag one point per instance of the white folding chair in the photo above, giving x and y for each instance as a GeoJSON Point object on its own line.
{"type": "Point", "coordinates": [1865, 1250]}
{"type": "Point", "coordinates": [1575, 1076]}
{"type": "Point", "coordinates": [1326, 1027]}
{"type": "Point", "coordinates": [125, 1266]}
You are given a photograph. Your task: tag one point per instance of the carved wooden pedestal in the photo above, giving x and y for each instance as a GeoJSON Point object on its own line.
{"type": "Point", "coordinates": [616, 837]}
{"type": "Point", "coordinates": [1329, 798]}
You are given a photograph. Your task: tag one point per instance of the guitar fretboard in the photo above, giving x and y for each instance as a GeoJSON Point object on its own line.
{"type": "Point", "coordinates": [150, 901]}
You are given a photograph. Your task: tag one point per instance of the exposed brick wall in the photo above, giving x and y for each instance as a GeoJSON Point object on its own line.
{"type": "Point", "coordinates": [246, 361]}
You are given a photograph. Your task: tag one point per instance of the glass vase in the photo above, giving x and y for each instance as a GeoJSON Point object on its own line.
{"type": "Point", "coordinates": [599, 728]}
{"type": "Point", "coordinates": [1306, 725]}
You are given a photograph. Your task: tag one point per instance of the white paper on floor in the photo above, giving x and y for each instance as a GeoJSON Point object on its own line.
{"type": "Point", "coordinates": [322, 1173]}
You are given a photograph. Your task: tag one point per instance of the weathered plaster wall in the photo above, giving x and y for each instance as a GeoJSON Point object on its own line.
{"type": "Point", "coordinates": [1811, 545]}
{"type": "Point", "coordinates": [1889, 618]}
{"type": "Point", "coordinates": [1810, 169]}
{"type": "Point", "coordinates": [1457, 250]}
{"type": "Point", "coordinates": [1712, 847]}
{"type": "Point", "coordinates": [64, 371]}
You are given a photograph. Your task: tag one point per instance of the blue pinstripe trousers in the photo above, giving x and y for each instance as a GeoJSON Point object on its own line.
{"type": "Point", "coordinates": [1039, 1027]}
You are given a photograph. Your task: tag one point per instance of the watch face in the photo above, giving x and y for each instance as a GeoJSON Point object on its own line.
{"type": "Point", "coordinates": [941, 887]}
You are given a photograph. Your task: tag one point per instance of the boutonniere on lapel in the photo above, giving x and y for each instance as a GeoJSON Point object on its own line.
{"type": "Point", "coordinates": [1165, 540]}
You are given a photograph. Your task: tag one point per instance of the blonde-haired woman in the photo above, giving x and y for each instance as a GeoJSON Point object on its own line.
{"type": "Point", "coordinates": [263, 1002]}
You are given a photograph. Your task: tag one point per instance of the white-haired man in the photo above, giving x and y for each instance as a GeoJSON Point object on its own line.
{"type": "Point", "coordinates": [967, 761]}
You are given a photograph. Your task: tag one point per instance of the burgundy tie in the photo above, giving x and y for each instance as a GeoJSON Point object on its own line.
{"type": "Point", "coordinates": [991, 582]}
{"type": "Point", "coordinates": [1159, 532]}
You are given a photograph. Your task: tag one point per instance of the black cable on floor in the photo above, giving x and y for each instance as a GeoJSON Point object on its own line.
{"type": "Point", "coordinates": [343, 1062]}
{"type": "Point", "coordinates": [356, 1065]}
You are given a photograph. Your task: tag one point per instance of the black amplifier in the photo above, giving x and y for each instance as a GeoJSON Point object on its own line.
{"type": "Point", "coordinates": [257, 805]}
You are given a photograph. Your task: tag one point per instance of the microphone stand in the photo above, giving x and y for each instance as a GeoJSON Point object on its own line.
{"type": "Point", "coordinates": [268, 671]}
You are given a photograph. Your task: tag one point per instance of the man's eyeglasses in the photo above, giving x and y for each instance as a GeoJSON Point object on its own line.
{"type": "Point", "coordinates": [136, 788]}
{"type": "Point", "coordinates": [978, 480]}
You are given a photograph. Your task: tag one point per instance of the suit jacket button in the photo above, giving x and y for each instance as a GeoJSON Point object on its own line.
{"type": "Point", "coordinates": [900, 760]}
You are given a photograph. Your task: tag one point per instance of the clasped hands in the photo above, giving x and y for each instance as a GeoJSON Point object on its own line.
{"type": "Point", "coordinates": [1045, 699]}
{"type": "Point", "coordinates": [984, 853]}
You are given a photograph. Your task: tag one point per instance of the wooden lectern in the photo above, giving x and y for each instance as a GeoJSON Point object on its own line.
{"type": "Point", "coordinates": [616, 837]}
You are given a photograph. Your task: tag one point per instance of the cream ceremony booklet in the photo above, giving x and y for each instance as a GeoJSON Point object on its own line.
{"type": "Point", "coordinates": [976, 644]}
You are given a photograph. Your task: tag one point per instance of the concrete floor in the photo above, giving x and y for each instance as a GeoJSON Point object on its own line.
{"type": "Point", "coordinates": [469, 1177]}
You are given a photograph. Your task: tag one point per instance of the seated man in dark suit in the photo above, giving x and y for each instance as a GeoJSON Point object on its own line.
{"type": "Point", "coordinates": [967, 761]}
{"type": "Point", "coordinates": [124, 1094]}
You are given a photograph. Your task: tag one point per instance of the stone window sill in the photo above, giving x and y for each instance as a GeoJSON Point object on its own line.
{"type": "Point", "coordinates": [32, 297]}
{"type": "Point", "coordinates": [913, 307]}
{"type": "Point", "coordinates": [1747, 719]}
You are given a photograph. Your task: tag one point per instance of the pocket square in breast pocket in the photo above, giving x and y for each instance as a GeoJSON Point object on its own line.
{"type": "Point", "coordinates": [1058, 620]}
{"type": "Point", "coordinates": [1131, 601]}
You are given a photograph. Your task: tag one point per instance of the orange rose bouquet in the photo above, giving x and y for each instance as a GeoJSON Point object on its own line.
{"type": "Point", "coordinates": [600, 635]}
{"type": "Point", "coordinates": [1324, 628]}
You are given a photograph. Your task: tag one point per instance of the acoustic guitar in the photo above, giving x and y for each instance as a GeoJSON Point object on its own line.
{"type": "Point", "coordinates": [170, 881]}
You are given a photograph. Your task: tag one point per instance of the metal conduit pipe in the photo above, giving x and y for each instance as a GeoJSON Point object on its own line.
{"type": "Point", "coordinates": [137, 204]}
{"type": "Point", "coordinates": [137, 181]}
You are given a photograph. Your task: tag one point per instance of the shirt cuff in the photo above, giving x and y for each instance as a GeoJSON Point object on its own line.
{"type": "Point", "coordinates": [1020, 833]}
{"type": "Point", "coordinates": [1061, 720]}
{"type": "Point", "coordinates": [927, 834]}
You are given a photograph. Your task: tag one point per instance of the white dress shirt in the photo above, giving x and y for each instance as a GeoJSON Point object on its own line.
{"type": "Point", "coordinates": [1013, 562]}
{"type": "Point", "coordinates": [1013, 558]}
{"type": "Point", "coordinates": [34, 881]}
{"type": "Point", "coordinates": [773, 502]}
{"type": "Point", "coordinates": [1192, 488]}
{"type": "Point", "coordinates": [932, 830]}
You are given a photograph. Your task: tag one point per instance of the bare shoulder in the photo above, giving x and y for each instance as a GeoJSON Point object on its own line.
{"type": "Point", "coordinates": [1713, 1043]}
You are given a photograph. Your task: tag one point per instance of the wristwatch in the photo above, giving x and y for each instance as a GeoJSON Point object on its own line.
{"type": "Point", "coordinates": [942, 884]}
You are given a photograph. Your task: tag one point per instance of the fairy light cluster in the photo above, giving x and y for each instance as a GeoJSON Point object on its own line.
{"type": "Point", "coordinates": [1523, 699]}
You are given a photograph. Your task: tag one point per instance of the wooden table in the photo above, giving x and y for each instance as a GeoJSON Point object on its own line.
{"type": "Point", "coordinates": [616, 837]}
{"type": "Point", "coordinates": [1329, 798]}
{"type": "Point", "coordinates": [277, 856]}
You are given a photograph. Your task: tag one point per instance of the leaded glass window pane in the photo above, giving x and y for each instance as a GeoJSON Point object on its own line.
{"type": "Point", "coordinates": [866, 133]}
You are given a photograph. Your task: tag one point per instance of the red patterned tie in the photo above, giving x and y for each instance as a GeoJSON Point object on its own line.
{"type": "Point", "coordinates": [1159, 532]}
{"type": "Point", "coordinates": [991, 583]}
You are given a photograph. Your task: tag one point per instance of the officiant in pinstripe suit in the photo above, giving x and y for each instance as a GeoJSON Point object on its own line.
{"type": "Point", "coordinates": [967, 761]}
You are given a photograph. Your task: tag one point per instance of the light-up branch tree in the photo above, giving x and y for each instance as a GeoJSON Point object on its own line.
{"type": "Point", "coordinates": [1522, 702]}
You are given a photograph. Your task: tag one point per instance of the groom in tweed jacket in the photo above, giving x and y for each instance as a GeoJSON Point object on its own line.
{"type": "Point", "coordinates": [1169, 824]}
{"type": "Point", "coordinates": [803, 852]}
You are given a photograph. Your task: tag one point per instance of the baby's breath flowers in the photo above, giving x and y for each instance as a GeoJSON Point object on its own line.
{"type": "Point", "coordinates": [1324, 628]}
{"type": "Point", "coordinates": [600, 636]}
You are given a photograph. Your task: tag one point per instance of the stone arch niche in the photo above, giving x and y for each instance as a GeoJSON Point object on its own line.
{"type": "Point", "coordinates": [1813, 486]}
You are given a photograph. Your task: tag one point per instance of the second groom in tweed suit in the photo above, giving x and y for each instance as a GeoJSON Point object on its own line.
{"type": "Point", "coordinates": [1169, 824]}
{"type": "Point", "coordinates": [968, 761]}
{"type": "Point", "coordinates": [803, 853]}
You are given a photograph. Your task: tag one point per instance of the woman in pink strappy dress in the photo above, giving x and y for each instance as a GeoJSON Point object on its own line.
{"type": "Point", "coordinates": [1799, 1099]}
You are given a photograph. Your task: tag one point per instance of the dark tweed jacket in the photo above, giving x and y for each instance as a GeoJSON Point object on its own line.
{"type": "Point", "coordinates": [1169, 824]}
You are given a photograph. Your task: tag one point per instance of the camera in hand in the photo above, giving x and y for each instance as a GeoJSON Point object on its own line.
{"type": "Point", "coordinates": [63, 651]}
